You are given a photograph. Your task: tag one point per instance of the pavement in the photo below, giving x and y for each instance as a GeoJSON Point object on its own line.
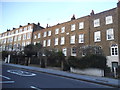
{"type": "Point", "coordinates": [94, 79]}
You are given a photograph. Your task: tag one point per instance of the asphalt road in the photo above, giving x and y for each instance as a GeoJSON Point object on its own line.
{"type": "Point", "coordinates": [19, 78]}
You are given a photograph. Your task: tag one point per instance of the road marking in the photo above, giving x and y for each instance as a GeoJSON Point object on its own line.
{"type": "Point", "coordinates": [7, 81]}
{"type": "Point", "coordinates": [35, 88]}
{"type": "Point", "coordinates": [5, 77]}
{"type": "Point", "coordinates": [21, 73]}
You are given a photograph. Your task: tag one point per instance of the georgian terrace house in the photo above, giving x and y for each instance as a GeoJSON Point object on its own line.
{"type": "Point", "coordinates": [18, 38]}
{"type": "Point", "coordinates": [101, 29]}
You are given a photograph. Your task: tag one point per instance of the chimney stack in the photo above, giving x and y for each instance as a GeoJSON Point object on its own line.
{"type": "Point", "coordinates": [47, 26]}
{"type": "Point", "coordinates": [8, 30]}
{"type": "Point", "coordinates": [92, 12]}
{"type": "Point", "coordinates": [20, 26]}
{"type": "Point", "coordinates": [118, 4]}
{"type": "Point", "coordinates": [38, 24]}
{"type": "Point", "coordinates": [13, 28]}
{"type": "Point", "coordinates": [73, 18]}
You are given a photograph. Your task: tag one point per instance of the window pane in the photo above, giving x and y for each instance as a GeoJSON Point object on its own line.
{"type": "Point", "coordinates": [109, 20]}
{"type": "Point", "coordinates": [81, 25]}
{"type": "Point", "coordinates": [72, 41]}
{"type": "Point", "coordinates": [57, 31]}
{"type": "Point", "coordinates": [96, 22]}
{"type": "Point", "coordinates": [62, 40]}
{"type": "Point", "coordinates": [114, 50]}
{"type": "Point", "coordinates": [48, 43]}
{"type": "Point", "coordinates": [110, 34]}
{"type": "Point", "coordinates": [64, 51]}
{"type": "Point", "coordinates": [62, 29]}
{"type": "Point", "coordinates": [81, 38]}
{"type": "Point", "coordinates": [44, 43]}
{"type": "Point", "coordinates": [45, 34]}
{"type": "Point", "coordinates": [56, 41]}
{"type": "Point", "coordinates": [97, 36]}
{"type": "Point", "coordinates": [73, 51]}
{"type": "Point", "coordinates": [49, 33]}
{"type": "Point", "coordinates": [72, 27]}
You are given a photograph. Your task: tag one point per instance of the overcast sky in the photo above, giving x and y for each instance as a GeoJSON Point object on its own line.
{"type": "Point", "coordinates": [17, 12]}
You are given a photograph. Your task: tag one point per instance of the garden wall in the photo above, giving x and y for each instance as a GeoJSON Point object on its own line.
{"type": "Point", "coordinates": [89, 71]}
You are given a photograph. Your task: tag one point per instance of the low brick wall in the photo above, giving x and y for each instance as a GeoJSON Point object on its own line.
{"type": "Point", "coordinates": [89, 71]}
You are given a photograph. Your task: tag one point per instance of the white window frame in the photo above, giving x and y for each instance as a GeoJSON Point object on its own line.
{"type": "Point", "coordinates": [28, 35]}
{"type": "Point", "coordinates": [4, 40]}
{"type": "Point", "coordinates": [49, 33]}
{"type": "Point", "coordinates": [20, 30]}
{"type": "Point", "coordinates": [44, 43]}
{"type": "Point", "coordinates": [25, 28]}
{"type": "Point", "coordinates": [35, 36]}
{"type": "Point", "coordinates": [62, 40]}
{"type": "Point", "coordinates": [73, 54]}
{"type": "Point", "coordinates": [48, 42]}
{"type": "Point", "coordinates": [57, 31]}
{"type": "Point", "coordinates": [39, 35]}
{"type": "Point", "coordinates": [64, 50]}
{"type": "Point", "coordinates": [62, 29]}
{"type": "Point", "coordinates": [15, 38]}
{"type": "Point", "coordinates": [110, 32]}
{"type": "Point", "coordinates": [81, 38]}
{"type": "Point", "coordinates": [96, 22]}
{"type": "Point", "coordinates": [15, 32]}
{"type": "Point", "coordinates": [81, 25]}
{"type": "Point", "coordinates": [24, 36]}
{"type": "Point", "coordinates": [114, 50]}
{"type": "Point", "coordinates": [45, 34]}
{"type": "Point", "coordinates": [34, 43]}
{"type": "Point", "coordinates": [97, 36]}
{"type": "Point", "coordinates": [56, 41]}
{"type": "Point", "coordinates": [72, 27]}
{"type": "Point", "coordinates": [11, 39]}
{"type": "Point", "coordinates": [109, 20]}
{"type": "Point", "coordinates": [19, 37]}
{"type": "Point", "coordinates": [72, 39]}
{"type": "Point", "coordinates": [29, 27]}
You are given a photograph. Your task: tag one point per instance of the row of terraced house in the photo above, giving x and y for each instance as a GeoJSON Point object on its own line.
{"type": "Point", "coordinates": [101, 29]}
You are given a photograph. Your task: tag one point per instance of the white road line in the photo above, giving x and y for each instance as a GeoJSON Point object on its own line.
{"type": "Point", "coordinates": [7, 81]}
{"type": "Point", "coordinates": [21, 73]}
{"type": "Point", "coordinates": [5, 77]}
{"type": "Point", "coordinates": [35, 88]}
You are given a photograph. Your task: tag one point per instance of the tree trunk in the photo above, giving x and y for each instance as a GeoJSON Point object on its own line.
{"type": "Point", "coordinates": [45, 61]}
{"type": "Point", "coordinates": [29, 60]}
{"type": "Point", "coordinates": [62, 66]}
{"type": "Point", "coordinates": [40, 60]}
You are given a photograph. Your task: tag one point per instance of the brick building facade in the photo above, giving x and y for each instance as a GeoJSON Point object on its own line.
{"type": "Point", "coordinates": [16, 39]}
{"type": "Point", "coordinates": [101, 29]}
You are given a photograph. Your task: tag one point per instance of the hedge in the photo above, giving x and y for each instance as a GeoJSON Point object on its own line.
{"type": "Point", "coordinates": [90, 61]}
